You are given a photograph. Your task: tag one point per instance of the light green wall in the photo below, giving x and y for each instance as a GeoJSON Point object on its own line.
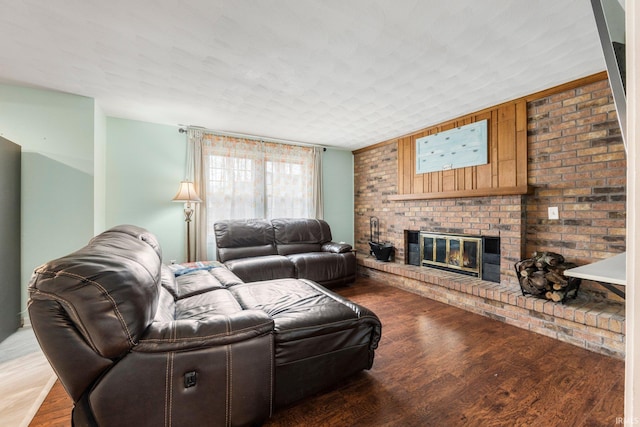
{"type": "Point", "coordinates": [83, 172]}
{"type": "Point", "coordinates": [337, 184]}
{"type": "Point", "coordinates": [100, 170]}
{"type": "Point", "coordinates": [145, 164]}
{"type": "Point", "coordinates": [56, 133]}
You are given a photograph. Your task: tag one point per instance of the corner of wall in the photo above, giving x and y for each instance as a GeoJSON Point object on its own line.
{"type": "Point", "coordinates": [99, 170]}
{"type": "Point", "coordinates": [337, 177]}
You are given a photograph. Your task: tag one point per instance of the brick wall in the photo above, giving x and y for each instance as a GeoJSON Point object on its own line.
{"type": "Point", "coordinates": [375, 177]}
{"type": "Point", "coordinates": [576, 162]}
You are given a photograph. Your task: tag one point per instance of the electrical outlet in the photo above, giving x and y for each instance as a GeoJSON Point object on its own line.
{"type": "Point", "coordinates": [553, 212]}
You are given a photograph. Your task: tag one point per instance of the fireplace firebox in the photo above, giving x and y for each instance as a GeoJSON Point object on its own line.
{"type": "Point", "coordinates": [459, 253]}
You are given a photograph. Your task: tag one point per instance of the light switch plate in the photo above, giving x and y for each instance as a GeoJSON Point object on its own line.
{"type": "Point", "coordinates": [553, 212]}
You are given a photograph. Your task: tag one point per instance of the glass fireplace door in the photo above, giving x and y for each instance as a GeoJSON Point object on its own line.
{"type": "Point", "coordinates": [451, 252]}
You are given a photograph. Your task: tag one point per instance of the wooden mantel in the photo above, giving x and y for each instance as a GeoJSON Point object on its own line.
{"type": "Point", "coordinates": [503, 191]}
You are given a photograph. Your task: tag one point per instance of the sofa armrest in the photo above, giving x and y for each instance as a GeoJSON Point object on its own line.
{"type": "Point", "coordinates": [211, 372]}
{"type": "Point", "coordinates": [336, 247]}
{"type": "Point", "coordinates": [217, 330]}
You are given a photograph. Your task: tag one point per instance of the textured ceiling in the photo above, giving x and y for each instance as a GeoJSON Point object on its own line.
{"type": "Point", "coordinates": [342, 73]}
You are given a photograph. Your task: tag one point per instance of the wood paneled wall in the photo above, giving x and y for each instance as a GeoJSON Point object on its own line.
{"type": "Point", "coordinates": [506, 172]}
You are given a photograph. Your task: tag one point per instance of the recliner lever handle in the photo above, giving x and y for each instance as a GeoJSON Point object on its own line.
{"type": "Point", "coordinates": [190, 379]}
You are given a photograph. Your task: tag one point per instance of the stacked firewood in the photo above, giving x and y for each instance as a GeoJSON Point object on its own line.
{"type": "Point", "coordinates": [542, 275]}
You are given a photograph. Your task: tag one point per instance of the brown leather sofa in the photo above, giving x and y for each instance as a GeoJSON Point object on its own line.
{"type": "Point", "coordinates": [261, 249]}
{"type": "Point", "coordinates": [133, 344]}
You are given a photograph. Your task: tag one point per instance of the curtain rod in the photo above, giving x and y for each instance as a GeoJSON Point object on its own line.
{"type": "Point", "coordinates": [184, 129]}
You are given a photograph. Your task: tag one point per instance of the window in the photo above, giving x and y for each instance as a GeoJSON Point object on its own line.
{"type": "Point", "coordinates": [254, 179]}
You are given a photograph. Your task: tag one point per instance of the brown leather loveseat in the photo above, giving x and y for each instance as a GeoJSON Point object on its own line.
{"type": "Point", "coordinates": [134, 344]}
{"type": "Point", "coordinates": [262, 249]}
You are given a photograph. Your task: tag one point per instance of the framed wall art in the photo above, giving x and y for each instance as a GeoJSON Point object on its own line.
{"type": "Point", "coordinates": [452, 149]}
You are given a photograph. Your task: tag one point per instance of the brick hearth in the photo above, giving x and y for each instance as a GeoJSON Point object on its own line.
{"type": "Point", "coordinates": [585, 322]}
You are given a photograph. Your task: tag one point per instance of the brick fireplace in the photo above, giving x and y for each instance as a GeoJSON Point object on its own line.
{"type": "Point", "coordinates": [501, 217]}
{"type": "Point", "coordinates": [576, 162]}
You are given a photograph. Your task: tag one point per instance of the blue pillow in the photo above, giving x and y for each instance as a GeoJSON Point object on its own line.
{"type": "Point", "coordinates": [189, 267]}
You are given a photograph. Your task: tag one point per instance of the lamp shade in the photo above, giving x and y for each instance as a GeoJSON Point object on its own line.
{"type": "Point", "coordinates": [187, 193]}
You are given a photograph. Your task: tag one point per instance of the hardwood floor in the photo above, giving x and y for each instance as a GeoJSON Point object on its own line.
{"type": "Point", "coordinates": [438, 365]}
{"type": "Point", "coordinates": [55, 410]}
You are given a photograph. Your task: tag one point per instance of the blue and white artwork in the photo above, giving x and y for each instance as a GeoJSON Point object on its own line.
{"type": "Point", "coordinates": [452, 149]}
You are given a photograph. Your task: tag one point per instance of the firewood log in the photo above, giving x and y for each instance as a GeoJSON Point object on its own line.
{"type": "Point", "coordinates": [557, 296]}
{"type": "Point", "coordinates": [525, 264]}
{"type": "Point", "coordinates": [527, 272]}
{"type": "Point", "coordinates": [538, 280]}
{"type": "Point", "coordinates": [553, 259]}
{"type": "Point", "coordinates": [525, 283]}
{"type": "Point", "coordinates": [556, 278]}
{"type": "Point", "coordinates": [560, 268]}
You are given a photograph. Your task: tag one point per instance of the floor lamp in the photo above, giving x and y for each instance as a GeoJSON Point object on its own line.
{"type": "Point", "coordinates": [187, 194]}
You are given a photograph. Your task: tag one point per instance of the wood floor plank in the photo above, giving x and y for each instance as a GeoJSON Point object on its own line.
{"type": "Point", "coordinates": [55, 411]}
{"type": "Point", "coordinates": [439, 365]}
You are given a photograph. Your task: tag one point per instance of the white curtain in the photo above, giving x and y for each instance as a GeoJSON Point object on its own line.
{"type": "Point", "coordinates": [318, 195]}
{"type": "Point", "coordinates": [247, 178]}
{"type": "Point", "coordinates": [195, 173]}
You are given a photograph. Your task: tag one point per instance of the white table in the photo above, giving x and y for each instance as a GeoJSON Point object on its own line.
{"type": "Point", "coordinates": [606, 272]}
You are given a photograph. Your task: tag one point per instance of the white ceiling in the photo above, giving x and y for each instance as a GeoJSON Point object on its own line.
{"type": "Point", "coordinates": [341, 73]}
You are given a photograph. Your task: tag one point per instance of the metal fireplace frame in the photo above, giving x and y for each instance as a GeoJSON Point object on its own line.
{"type": "Point", "coordinates": [452, 258]}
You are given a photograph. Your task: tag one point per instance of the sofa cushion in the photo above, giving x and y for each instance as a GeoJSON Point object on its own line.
{"type": "Point", "coordinates": [238, 238]}
{"type": "Point", "coordinates": [301, 310]}
{"type": "Point", "coordinates": [324, 266]}
{"type": "Point", "coordinates": [166, 307]}
{"type": "Point", "coordinates": [195, 283]}
{"type": "Point", "coordinates": [168, 280]}
{"type": "Point", "coordinates": [336, 248]}
{"type": "Point", "coordinates": [189, 284]}
{"type": "Point", "coordinates": [262, 268]}
{"type": "Point", "coordinates": [298, 248]}
{"type": "Point", "coordinates": [204, 305]}
{"type": "Point", "coordinates": [300, 230]}
{"type": "Point", "coordinates": [188, 279]}
{"type": "Point", "coordinates": [228, 254]}
{"type": "Point", "coordinates": [226, 277]}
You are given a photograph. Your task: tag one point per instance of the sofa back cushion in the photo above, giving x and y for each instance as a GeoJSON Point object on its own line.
{"type": "Point", "coordinates": [299, 235]}
{"type": "Point", "coordinates": [109, 289]}
{"type": "Point", "coordinates": [243, 238]}
{"type": "Point", "coordinates": [298, 248]}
